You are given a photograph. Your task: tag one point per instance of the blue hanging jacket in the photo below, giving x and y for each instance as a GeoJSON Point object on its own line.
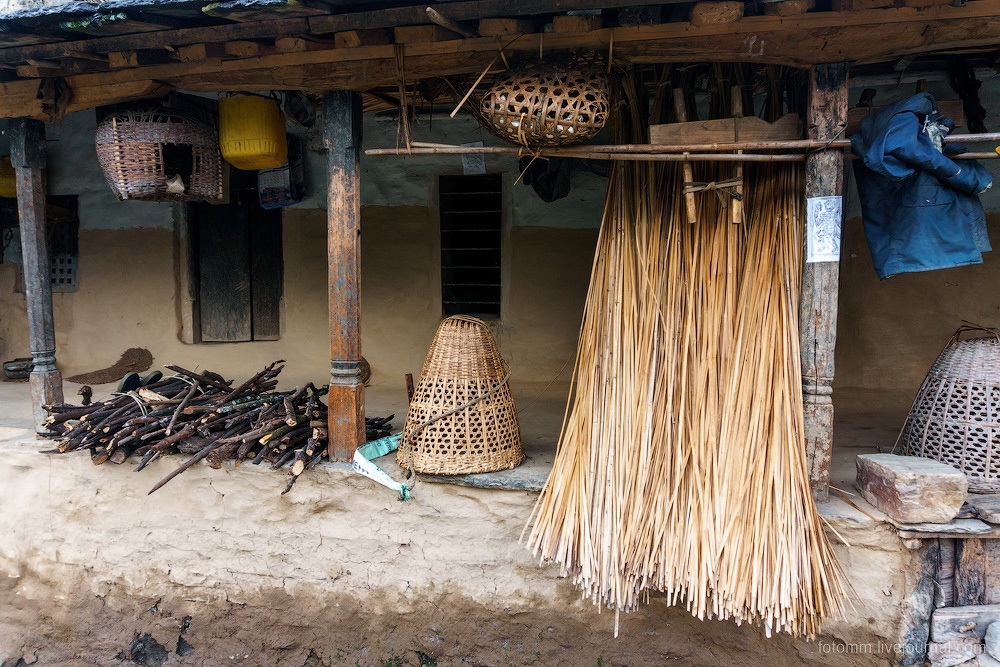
{"type": "Point", "coordinates": [920, 209]}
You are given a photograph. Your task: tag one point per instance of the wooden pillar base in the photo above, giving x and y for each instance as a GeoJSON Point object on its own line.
{"type": "Point", "coordinates": [346, 419]}
{"type": "Point", "coordinates": [818, 427]}
{"type": "Point", "coordinates": [917, 607]}
{"type": "Point", "coordinates": [46, 389]}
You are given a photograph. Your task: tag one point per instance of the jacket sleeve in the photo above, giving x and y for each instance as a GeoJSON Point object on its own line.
{"type": "Point", "coordinates": [907, 144]}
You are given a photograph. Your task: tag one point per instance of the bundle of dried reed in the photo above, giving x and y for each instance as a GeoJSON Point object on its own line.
{"type": "Point", "coordinates": [681, 462]}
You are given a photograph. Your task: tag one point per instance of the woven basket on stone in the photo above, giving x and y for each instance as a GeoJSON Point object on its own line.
{"type": "Point", "coordinates": [159, 155]}
{"type": "Point", "coordinates": [462, 418]}
{"type": "Point", "coordinates": [955, 417]}
{"type": "Point", "coordinates": [547, 104]}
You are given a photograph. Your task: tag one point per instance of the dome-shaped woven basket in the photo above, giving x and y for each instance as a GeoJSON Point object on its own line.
{"type": "Point", "coordinates": [463, 392]}
{"type": "Point", "coordinates": [955, 418]}
{"type": "Point", "coordinates": [547, 105]}
{"type": "Point", "coordinates": [140, 151]}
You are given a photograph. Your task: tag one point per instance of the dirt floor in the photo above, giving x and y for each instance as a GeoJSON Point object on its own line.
{"type": "Point", "coordinates": [280, 630]}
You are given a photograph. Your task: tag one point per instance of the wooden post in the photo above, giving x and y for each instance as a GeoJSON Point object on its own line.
{"type": "Point", "coordinates": [736, 203]}
{"type": "Point", "coordinates": [342, 139]}
{"type": "Point", "coordinates": [690, 205]}
{"type": "Point", "coordinates": [918, 605]}
{"type": "Point", "coordinates": [826, 120]}
{"type": "Point", "coordinates": [27, 144]}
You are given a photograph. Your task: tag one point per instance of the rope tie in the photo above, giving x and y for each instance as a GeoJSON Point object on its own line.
{"type": "Point", "coordinates": [720, 188]}
{"type": "Point", "coordinates": [188, 382]}
{"type": "Point", "coordinates": [135, 397]}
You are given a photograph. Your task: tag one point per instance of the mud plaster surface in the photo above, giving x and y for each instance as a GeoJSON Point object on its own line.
{"type": "Point", "coordinates": [340, 569]}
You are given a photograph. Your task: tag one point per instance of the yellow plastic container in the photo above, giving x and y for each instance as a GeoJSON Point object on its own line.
{"type": "Point", "coordinates": [7, 178]}
{"type": "Point", "coordinates": [252, 132]}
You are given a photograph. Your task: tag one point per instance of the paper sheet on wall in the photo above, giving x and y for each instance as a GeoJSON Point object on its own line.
{"type": "Point", "coordinates": [824, 217]}
{"type": "Point", "coordinates": [475, 163]}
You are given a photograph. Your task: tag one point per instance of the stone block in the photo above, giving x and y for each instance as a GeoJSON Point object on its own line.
{"type": "Point", "coordinates": [952, 653]}
{"type": "Point", "coordinates": [959, 623]}
{"type": "Point", "coordinates": [911, 489]}
{"type": "Point", "coordinates": [991, 641]}
{"type": "Point", "coordinates": [984, 660]}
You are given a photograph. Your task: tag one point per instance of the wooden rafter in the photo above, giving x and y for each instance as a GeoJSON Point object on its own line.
{"type": "Point", "coordinates": [859, 36]}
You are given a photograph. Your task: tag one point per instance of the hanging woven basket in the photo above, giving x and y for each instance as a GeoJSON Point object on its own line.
{"type": "Point", "coordinates": [462, 418]}
{"type": "Point", "coordinates": [547, 104]}
{"type": "Point", "coordinates": [252, 132]}
{"type": "Point", "coordinates": [159, 155]}
{"type": "Point", "coordinates": [955, 418]}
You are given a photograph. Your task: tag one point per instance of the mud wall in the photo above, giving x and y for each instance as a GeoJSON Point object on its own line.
{"type": "Point", "coordinates": [133, 287]}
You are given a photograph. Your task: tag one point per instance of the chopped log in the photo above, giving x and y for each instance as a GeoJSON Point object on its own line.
{"type": "Point", "coordinates": [204, 379]}
{"type": "Point", "coordinates": [788, 7]}
{"type": "Point", "coordinates": [291, 45]}
{"type": "Point", "coordinates": [180, 406]}
{"type": "Point", "coordinates": [264, 374]}
{"type": "Point", "coordinates": [708, 13]}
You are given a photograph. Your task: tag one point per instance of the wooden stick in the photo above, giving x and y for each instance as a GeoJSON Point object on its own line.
{"type": "Point", "coordinates": [689, 200]}
{"type": "Point", "coordinates": [180, 406]}
{"type": "Point", "coordinates": [736, 203]}
{"type": "Point", "coordinates": [197, 376]}
{"type": "Point", "coordinates": [454, 26]}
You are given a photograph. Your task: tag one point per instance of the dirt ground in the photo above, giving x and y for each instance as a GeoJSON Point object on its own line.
{"type": "Point", "coordinates": [112, 628]}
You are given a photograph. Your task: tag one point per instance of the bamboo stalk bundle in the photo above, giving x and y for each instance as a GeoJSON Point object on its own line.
{"type": "Point", "coordinates": [681, 461]}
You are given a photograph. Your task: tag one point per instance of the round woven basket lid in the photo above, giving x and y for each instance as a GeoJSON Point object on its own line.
{"type": "Point", "coordinates": [462, 418]}
{"type": "Point", "coordinates": [547, 104]}
{"type": "Point", "coordinates": [955, 418]}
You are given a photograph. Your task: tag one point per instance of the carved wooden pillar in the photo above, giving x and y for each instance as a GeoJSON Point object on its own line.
{"type": "Point", "coordinates": [826, 119]}
{"type": "Point", "coordinates": [28, 157]}
{"type": "Point", "coordinates": [342, 138]}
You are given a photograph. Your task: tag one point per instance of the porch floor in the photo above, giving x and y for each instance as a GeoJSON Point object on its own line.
{"type": "Point", "coordinates": [865, 422]}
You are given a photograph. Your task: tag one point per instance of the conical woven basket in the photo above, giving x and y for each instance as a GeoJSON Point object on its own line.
{"type": "Point", "coordinates": [955, 418]}
{"type": "Point", "coordinates": [462, 418]}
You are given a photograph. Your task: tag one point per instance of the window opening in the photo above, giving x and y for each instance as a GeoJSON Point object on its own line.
{"type": "Point", "coordinates": [471, 210]}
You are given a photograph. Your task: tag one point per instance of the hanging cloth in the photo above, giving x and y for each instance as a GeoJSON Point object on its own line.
{"type": "Point", "coordinates": [920, 208]}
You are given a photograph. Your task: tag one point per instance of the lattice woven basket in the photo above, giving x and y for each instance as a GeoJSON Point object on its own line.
{"type": "Point", "coordinates": [547, 104]}
{"type": "Point", "coordinates": [130, 148]}
{"type": "Point", "coordinates": [465, 435]}
{"type": "Point", "coordinates": [955, 417]}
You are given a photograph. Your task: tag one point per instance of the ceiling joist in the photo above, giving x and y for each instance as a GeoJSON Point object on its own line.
{"type": "Point", "coordinates": [317, 66]}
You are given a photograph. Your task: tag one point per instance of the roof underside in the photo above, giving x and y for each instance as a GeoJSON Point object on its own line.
{"type": "Point", "coordinates": [94, 53]}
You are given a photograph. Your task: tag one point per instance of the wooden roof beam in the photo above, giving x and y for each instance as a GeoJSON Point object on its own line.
{"type": "Point", "coordinates": [819, 37]}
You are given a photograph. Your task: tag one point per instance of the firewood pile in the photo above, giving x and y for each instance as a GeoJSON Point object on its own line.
{"type": "Point", "coordinates": [205, 416]}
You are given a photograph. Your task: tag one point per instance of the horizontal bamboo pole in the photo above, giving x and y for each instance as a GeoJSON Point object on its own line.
{"type": "Point", "coordinates": [626, 156]}
{"type": "Point", "coordinates": [786, 144]}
